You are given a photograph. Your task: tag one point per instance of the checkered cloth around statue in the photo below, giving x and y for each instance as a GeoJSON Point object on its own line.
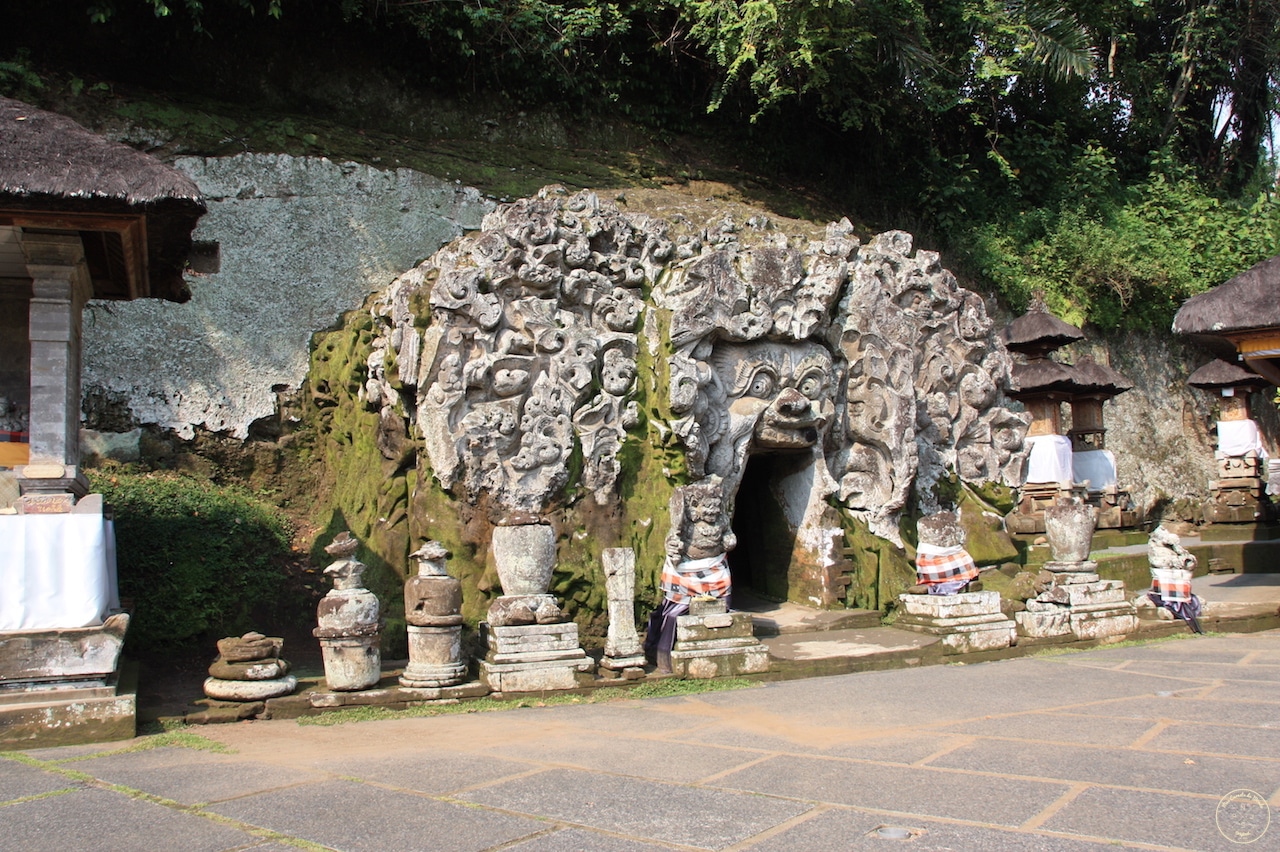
{"type": "Point", "coordinates": [1173, 585]}
{"type": "Point", "coordinates": [952, 566]}
{"type": "Point", "coordinates": [687, 580]}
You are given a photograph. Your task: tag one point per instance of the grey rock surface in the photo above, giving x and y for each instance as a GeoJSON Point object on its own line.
{"type": "Point", "coordinates": [301, 241]}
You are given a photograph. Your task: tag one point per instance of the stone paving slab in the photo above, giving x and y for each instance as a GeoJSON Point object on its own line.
{"type": "Point", "coordinates": [1046, 728]}
{"type": "Point", "coordinates": [703, 818]}
{"type": "Point", "coordinates": [358, 817]}
{"type": "Point", "coordinates": [1182, 709]}
{"type": "Point", "coordinates": [106, 821]}
{"type": "Point", "coordinates": [857, 830]}
{"type": "Point", "coordinates": [662, 761]}
{"type": "Point", "coordinates": [189, 776]}
{"type": "Point", "coordinates": [931, 792]}
{"type": "Point", "coordinates": [1209, 671]}
{"type": "Point", "coordinates": [1120, 767]}
{"type": "Point", "coordinates": [1236, 691]}
{"type": "Point", "coordinates": [579, 840]}
{"type": "Point", "coordinates": [1179, 821]}
{"type": "Point", "coordinates": [17, 781]}
{"type": "Point", "coordinates": [425, 772]}
{"type": "Point", "coordinates": [1219, 739]}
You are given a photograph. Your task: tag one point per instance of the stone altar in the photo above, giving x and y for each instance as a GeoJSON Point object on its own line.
{"type": "Point", "coordinates": [432, 609]}
{"type": "Point", "coordinates": [531, 645]}
{"type": "Point", "coordinates": [349, 623]}
{"type": "Point", "coordinates": [1071, 598]}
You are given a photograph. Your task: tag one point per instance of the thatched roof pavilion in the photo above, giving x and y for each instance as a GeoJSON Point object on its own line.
{"type": "Point", "coordinates": [1038, 332]}
{"type": "Point", "coordinates": [133, 213]}
{"type": "Point", "coordinates": [1219, 374]}
{"type": "Point", "coordinates": [1244, 311]}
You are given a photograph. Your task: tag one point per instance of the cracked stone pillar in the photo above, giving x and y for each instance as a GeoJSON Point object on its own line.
{"type": "Point", "coordinates": [622, 650]}
{"type": "Point", "coordinates": [60, 286]}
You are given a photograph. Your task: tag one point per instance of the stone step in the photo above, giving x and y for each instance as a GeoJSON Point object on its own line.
{"type": "Point", "coordinates": [786, 619]}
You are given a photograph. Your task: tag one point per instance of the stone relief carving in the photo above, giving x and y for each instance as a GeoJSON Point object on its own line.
{"type": "Point", "coordinates": [869, 360]}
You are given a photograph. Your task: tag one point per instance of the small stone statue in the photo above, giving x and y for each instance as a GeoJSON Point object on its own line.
{"type": "Point", "coordinates": [432, 608]}
{"type": "Point", "coordinates": [943, 566]}
{"type": "Point", "coordinates": [697, 562]}
{"type": "Point", "coordinates": [1172, 567]}
{"type": "Point", "coordinates": [349, 626]}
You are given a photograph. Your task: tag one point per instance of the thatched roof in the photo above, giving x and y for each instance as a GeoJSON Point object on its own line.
{"type": "Point", "coordinates": [1099, 378]}
{"type": "Point", "coordinates": [1223, 374]}
{"type": "Point", "coordinates": [1250, 300]}
{"type": "Point", "coordinates": [1038, 331]}
{"type": "Point", "coordinates": [1042, 376]}
{"type": "Point", "coordinates": [50, 163]}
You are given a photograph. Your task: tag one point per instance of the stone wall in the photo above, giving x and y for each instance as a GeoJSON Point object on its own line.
{"type": "Point", "coordinates": [302, 240]}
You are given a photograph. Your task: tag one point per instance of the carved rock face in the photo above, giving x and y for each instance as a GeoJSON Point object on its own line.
{"type": "Point", "coordinates": [779, 393]}
{"type": "Point", "coordinates": [869, 360]}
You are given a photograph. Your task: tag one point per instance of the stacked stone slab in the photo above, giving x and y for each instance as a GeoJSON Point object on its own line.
{"type": "Point", "coordinates": [713, 642]}
{"type": "Point", "coordinates": [1073, 600]}
{"type": "Point", "coordinates": [249, 668]}
{"type": "Point", "coordinates": [964, 622]}
{"type": "Point", "coordinates": [530, 645]}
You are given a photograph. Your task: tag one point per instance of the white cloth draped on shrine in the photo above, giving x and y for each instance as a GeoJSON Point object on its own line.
{"type": "Point", "coordinates": [56, 571]}
{"type": "Point", "coordinates": [1097, 467]}
{"type": "Point", "coordinates": [1240, 438]}
{"type": "Point", "coordinates": [1049, 459]}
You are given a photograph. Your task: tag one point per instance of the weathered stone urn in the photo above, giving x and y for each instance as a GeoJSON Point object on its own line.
{"type": "Point", "coordinates": [349, 627]}
{"type": "Point", "coordinates": [1069, 524]}
{"type": "Point", "coordinates": [433, 610]}
{"type": "Point", "coordinates": [525, 555]}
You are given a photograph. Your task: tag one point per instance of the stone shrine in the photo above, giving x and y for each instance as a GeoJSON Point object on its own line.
{"type": "Point", "coordinates": [349, 624]}
{"type": "Point", "coordinates": [1239, 495]}
{"type": "Point", "coordinates": [1071, 599]}
{"type": "Point", "coordinates": [963, 620]}
{"type": "Point", "coordinates": [531, 645]}
{"type": "Point", "coordinates": [432, 610]}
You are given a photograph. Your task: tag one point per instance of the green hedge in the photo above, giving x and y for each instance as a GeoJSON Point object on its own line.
{"type": "Point", "coordinates": [197, 561]}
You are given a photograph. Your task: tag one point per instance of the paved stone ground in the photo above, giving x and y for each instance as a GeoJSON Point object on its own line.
{"type": "Point", "coordinates": [1140, 746]}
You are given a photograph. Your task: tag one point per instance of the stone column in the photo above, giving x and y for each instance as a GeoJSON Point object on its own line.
{"type": "Point", "coordinates": [622, 651]}
{"type": "Point", "coordinates": [60, 286]}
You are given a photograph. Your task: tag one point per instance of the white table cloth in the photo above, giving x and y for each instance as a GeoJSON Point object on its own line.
{"type": "Point", "coordinates": [1097, 467]}
{"type": "Point", "coordinates": [56, 571]}
{"type": "Point", "coordinates": [1049, 459]}
{"type": "Point", "coordinates": [1240, 437]}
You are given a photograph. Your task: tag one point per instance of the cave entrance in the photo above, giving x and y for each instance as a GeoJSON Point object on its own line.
{"type": "Point", "coordinates": [761, 562]}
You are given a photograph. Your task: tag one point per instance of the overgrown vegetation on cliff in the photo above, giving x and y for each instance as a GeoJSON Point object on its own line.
{"type": "Point", "coordinates": [1099, 152]}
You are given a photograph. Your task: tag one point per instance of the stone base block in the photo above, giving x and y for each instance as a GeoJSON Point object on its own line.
{"type": "Point", "coordinates": [532, 638]}
{"type": "Point", "coordinates": [963, 605]}
{"type": "Point", "coordinates": [433, 676]}
{"type": "Point", "coordinates": [622, 663]}
{"type": "Point", "coordinates": [394, 696]}
{"type": "Point", "coordinates": [1042, 625]}
{"type": "Point", "coordinates": [962, 635]}
{"type": "Point", "coordinates": [1084, 594]}
{"type": "Point", "coordinates": [729, 660]}
{"type": "Point", "coordinates": [714, 626]}
{"type": "Point", "coordinates": [1104, 623]}
{"type": "Point", "coordinates": [41, 718]}
{"type": "Point", "coordinates": [533, 675]}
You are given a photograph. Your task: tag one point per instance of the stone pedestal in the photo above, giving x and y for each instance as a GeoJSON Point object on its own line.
{"type": "Point", "coordinates": [967, 622]}
{"type": "Point", "coordinates": [712, 642]}
{"type": "Point", "coordinates": [1239, 496]}
{"type": "Point", "coordinates": [432, 605]}
{"type": "Point", "coordinates": [1080, 604]}
{"type": "Point", "coordinates": [530, 645]}
{"type": "Point", "coordinates": [63, 686]}
{"type": "Point", "coordinates": [349, 625]}
{"type": "Point", "coordinates": [533, 657]}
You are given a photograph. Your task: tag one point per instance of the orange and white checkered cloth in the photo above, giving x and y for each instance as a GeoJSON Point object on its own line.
{"type": "Point", "coordinates": [936, 565]}
{"type": "Point", "coordinates": [687, 580]}
{"type": "Point", "coordinates": [1171, 584]}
